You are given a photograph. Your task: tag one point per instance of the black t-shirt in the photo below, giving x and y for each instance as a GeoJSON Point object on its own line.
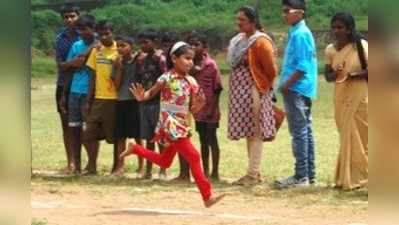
{"type": "Point", "coordinates": [148, 71]}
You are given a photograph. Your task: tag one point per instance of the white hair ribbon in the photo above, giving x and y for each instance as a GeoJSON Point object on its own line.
{"type": "Point", "coordinates": [177, 46]}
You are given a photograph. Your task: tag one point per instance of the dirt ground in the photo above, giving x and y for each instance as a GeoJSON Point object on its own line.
{"type": "Point", "coordinates": [55, 202]}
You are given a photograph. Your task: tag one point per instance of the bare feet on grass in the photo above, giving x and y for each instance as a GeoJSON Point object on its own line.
{"type": "Point", "coordinates": [70, 169]}
{"type": "Point", "coordinates": [162, 174]}
{"type": "Point", "coordinates": [89, 172]}
{"type": "Point", "coordinates": [118, 172]}
{"type": "Point", "coordinates": [181, 179]}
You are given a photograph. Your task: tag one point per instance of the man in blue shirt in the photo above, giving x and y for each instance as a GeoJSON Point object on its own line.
{"type": "Point", "coordinates": [298, 84]}
{"type": "Point", "coordinates": [80, 85]}
{"type": "Point", "coordinates": [63, 43]}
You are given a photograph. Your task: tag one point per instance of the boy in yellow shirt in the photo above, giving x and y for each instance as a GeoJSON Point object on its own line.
{"type": "Point", "coordinates": [102, 96]}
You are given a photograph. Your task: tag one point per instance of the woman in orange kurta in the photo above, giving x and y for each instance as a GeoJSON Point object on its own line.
{"type": "Point", "coordinates": [347, 65]}
{"type": "Point", "coordinates": [251, 57]}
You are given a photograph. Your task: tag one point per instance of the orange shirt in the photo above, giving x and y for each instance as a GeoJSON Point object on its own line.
{"type": "Point", "coordinates": [262, 64]}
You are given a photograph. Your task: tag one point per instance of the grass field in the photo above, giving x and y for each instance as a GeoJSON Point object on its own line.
{"type": "Point", "coordinates": [278, 161]}
{"type": "Point", "coordinates": [48, 154]}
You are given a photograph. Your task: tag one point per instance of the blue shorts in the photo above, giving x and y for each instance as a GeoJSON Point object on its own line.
{"type": "Point", "coordinates": [76, 115]}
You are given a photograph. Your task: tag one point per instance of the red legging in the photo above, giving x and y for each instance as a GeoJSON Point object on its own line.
{"type": "Point", "coordinates": [188, 151]}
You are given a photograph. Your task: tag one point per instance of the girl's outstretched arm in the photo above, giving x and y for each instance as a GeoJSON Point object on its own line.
{"type": "Point", "coordinates": [141, 95]}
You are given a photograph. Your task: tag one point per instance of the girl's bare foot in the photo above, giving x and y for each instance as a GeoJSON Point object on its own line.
{"type": "Point", "coordinates": [129, 151]}
{"type": "Point", "coordinates": [126, 153]}
{"type": "Point", "coordinates": [213, 200]}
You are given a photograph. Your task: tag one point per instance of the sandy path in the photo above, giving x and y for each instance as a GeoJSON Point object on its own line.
{"type": "Point", "coordinates": [75, 204]}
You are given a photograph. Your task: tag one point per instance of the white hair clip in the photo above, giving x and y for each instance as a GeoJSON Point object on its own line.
{"type": "Point", "coordinates": [177, 46]}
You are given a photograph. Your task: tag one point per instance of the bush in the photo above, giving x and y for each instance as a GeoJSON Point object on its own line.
{"type": "Point", "coordinates": [44, 28]}
{"type": "Point", "coordinates": [43, 67]}
{"type": "Point", "coordinates": [214, 18]}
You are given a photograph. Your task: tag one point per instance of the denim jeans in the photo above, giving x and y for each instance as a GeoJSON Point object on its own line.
{"type": "Point", "coordinates": [298, 110]}
{"type": "Point", "coordinates": [75, 109]}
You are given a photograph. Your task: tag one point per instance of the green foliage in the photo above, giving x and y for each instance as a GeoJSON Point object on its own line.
{"type": "Point", "coordinates": [214, 18]}
{"type": "Point", "coordinates": [43, 67]}
{"type": "Point", "coordinates": [44, 28]}
{"type": "Point", "coordinates": [35, 222]}
{"type": "Point", "coordinates": [36, 2]}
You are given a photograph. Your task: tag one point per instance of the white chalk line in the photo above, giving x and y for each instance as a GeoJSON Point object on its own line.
{"type": "Point", "coordinates": [173, 212]}
{"type": "Point", "coordinates": [53, 205]}
{"type": "Point", "coordinates": [43, 205]}
{"type": "Point", "coordinates": [51, 174]}
{"type": "Point", "coordinates": [165, 212]}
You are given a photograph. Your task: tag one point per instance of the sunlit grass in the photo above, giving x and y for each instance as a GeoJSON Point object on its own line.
{"type": "Point", "coordinates": [48, 152]}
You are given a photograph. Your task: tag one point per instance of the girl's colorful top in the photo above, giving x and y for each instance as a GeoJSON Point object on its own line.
{"type": "Point", "coordinates": [176, 98]}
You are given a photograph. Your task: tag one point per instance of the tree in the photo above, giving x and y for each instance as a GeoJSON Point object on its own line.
{"type": "Point", "coordinates": [257, 6]}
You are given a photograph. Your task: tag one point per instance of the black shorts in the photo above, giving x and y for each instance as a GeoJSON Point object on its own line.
{"type": "Point", "coordinates": [205, 127]}
{"type": "Point", "coordinates": [149, 116]}
{"type": "Point", "coordinates": [58, 94]}
{"type": "Point", "coordinates": [127, 119]}
{"type": "Point", "coordinates": [61, 90]}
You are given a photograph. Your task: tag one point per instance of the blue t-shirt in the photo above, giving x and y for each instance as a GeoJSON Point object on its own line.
{"type": "Point", "coordinates": [300, 55]}
{"type": "Point", "coordinates": [63, 44]}
{"type": "Point", "coordinates": [81, 78]}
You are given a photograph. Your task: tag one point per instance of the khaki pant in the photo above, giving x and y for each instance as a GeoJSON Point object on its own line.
{"type": "Point", "coordinates": [101, 121]}
{"type": "Point", "coordinates": [255, 144]}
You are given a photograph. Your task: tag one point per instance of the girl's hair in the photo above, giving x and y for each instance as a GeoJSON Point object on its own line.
{"type": "Point", "coordinates": [354, 36]}
{"type": "Point", "coordinates": [253, 16]}
{"type": "Point", "coordinates": [179, 52]}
